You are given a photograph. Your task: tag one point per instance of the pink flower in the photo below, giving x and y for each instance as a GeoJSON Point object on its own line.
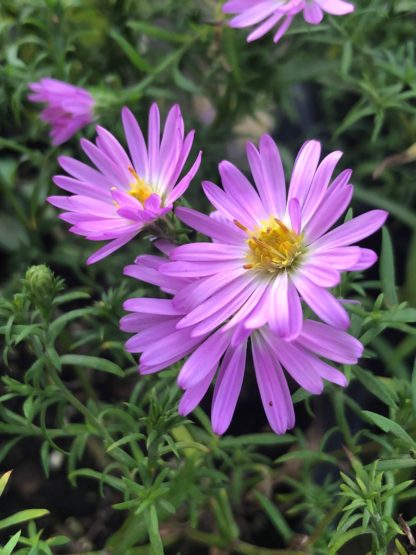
{"type": "Point", "coordinates": [68, 108]}
{"type": "Point", "coordinates": [125, 193]}
{"type": "Point", "coordinates": [222, 352]}
{"type": "Point", "coordinates": [270, 249]}
{"type": "Point", "coordinates": [265, 14]}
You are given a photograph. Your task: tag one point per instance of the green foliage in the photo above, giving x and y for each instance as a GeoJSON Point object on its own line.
{"type": "Point", "coordinates": [34, 539]}
{"type": "Point", "coordinates": [340, 480]}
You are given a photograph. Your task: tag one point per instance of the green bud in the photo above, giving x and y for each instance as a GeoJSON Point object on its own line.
{"type": "Point", "coordinates": [41, 287]}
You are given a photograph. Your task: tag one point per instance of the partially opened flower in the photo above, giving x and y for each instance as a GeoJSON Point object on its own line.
{"type": "Point", "coordinates": [266, 14]}
{"type": "Point", "coordinates": [221, 354]}
{"type": "Point", "coordinates": [117, 199]}
{"type": "Point", "coordinates": [68, 108]}
{"type": "Point", "coordinates": [269, 248]}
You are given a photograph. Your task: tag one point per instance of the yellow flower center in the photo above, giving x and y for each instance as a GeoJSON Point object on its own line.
{"type": "Point", "coordinates": [272, 246]}
{"type": "Point", "coordinates": [139, 189]}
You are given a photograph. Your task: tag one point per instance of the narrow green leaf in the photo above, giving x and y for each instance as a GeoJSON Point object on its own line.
{"type": "Point", "coordinates": [11, 544]}
{"type": "Point", "coordinates": [126, 439]}
{"type": "Point", "coordinates": [59, 324]}
{"type": "Point", "coordinates": [307, 455]}
{"type": "Point", "coordinates": [339, 541]}
{"type": "Point", "coordinates": [30, 331]}
{"type": "Point", "coordinates": [393, 492]}
{"type": "Point", "coordinates": [22, 516]}
{"type": "Point", "coordinates": [396, 209]}
{"type": "Point", "coordinates": [183, 82]}
{"type": "Point", "coordinates": [54, 357]}
{"type": "Point", "coordinates": [87, 361]}
{"type": "Point", "coordinates": [275, 516]}
{"type": "Point", "coordinates": [58, 540]}
{"type": "Point", "coordinates": [388, 425]}
{"type": "Point", "coordinates": [152, 525]}
{"type": "Point", "coordinates": [4, 479]}
{"type": "Point", "coordinates": [158, 32]}
{"type": "Point", "coordinates": [112, 481]}
{"type": "Point", "coordinates": [132, 54]}
{"type": "Point", "coordinates": [396, 464]}
{"type": "Point", "coordinates": [375, 386]}
{"type": "Point", "coordinates": [387, 270]}
{"type": "Point", "coordinates": [400, 549]}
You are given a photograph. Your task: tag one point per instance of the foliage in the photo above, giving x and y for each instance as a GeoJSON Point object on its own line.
{"type": "Point", "coordinates": [341, 479]}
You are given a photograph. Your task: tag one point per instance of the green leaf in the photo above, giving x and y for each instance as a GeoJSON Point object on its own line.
{"type": "Point", "coordinates": [387, 270]}
{"type": "Point", "coordinates": [87, 361]}
{"type": "Point", "coordinates": [414, 388]}
{"type": "Point", "coordinates": [396, 209]}
{"type": "Point", "coordinates": [158, 32]}
{"type": "Point", "coordinates": [307, 455]}
{"type": "Point", "coordinates": [59, 324]}
{"type": "Point", "coordinates": [22, 516]}
{"type": "Point", "coordinates": [275, 516]}
{"type": "Point", "coordinates": [388, 425]}
{"type": "Point", "coordinates": [406, 315]}
{"type": "Point", "coordinates": [184, 82]}
{"type": "Point", "coordinates": [339, 541]}
{"type": "Point", "coordinates": [132, 54]}
{"type": "Point", "coordinates": [58, 540]}
{"type": "Point", "coordinates": [112, 481]}
{"type": "Point", "coordinates": [396, 464]}
{"type": "Point", "coordinates": [11, 544]}
{"type": "Point", "coordinates": [152, 525]}
{"type": "Point", "coordinates": [4, 479]}
{"type": "Point", "coordinates": [376, 386]}
{"type": "Point", "coordinates": [393, 492]}
{"type": "Point", "coordinates": [126, 439]}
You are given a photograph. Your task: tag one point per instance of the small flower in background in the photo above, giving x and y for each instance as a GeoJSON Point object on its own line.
{"type": "Point", "coordinates": [68, 109]}
{"type": "Point", "coordinates": [125, 193]}
{"type": "Point", "coordinates": [270, 248]}
{"type": "Point", "coordinates": [266, 14]}
{"type": "Point", "coordinates": [222, 352]}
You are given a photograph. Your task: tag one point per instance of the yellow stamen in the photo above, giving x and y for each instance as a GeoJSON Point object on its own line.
{"type": "Point", "coordinates": [240, 226]}
{"type": "Point", "coordinates": [272, 246]}
{"type": "Point", "coordinates": [139, 189]}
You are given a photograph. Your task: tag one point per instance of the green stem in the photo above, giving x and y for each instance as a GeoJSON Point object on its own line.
{"type": "Point", "coordinates": [76, 403]}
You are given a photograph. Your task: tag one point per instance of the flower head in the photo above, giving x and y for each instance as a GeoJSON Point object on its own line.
{"type": "Point", "coordinates": [269, 248]}
{"type": "Point", "coordinates": [125, 193]}
{"type": "Point", "coordinates": [68, 108]}
{"type": "Point", "coordinates": [221, 353]}
{"type": "Point", "coordinates": [266, 14]}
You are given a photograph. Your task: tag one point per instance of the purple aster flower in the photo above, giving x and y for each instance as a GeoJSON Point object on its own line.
{"type": "Point", "coordinates": [125, 193]}
{"type": "Point", "coordinates": [266, 14]}
{"type": "Point", "coordinates": [221, 353]}
{"type": "Point", "coordinates": [269, 249]}
{"type": "Point", "coordinates": [68, 108]}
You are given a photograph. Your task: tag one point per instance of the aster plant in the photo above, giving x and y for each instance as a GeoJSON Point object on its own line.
{"type": "Point", "coordinates": [124, 193]}
{"type": "Point", "coordinates": [266, 14]}
{"type": "Point", "coordinates": [263, 360]}
{"type": "Point", "coordinates": [68, 108]}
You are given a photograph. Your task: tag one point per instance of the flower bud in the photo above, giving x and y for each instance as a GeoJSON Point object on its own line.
{"type": "Point", "coordinates": [41, 286]}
